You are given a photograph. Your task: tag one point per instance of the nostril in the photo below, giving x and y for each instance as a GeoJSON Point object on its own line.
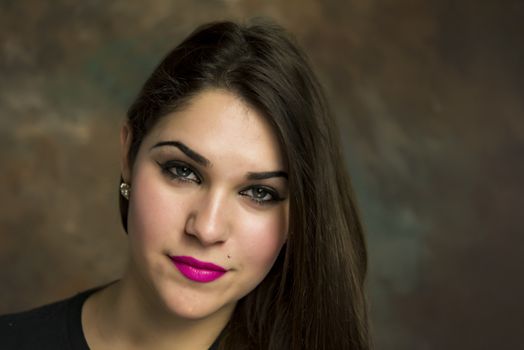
{"type": "Point", "coordinates": [206, 226]}
{"type": "Point", "coordinates": [208, 218]}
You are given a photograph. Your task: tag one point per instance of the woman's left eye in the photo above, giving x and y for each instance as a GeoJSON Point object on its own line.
{"type": "Point", "coordinates": [261, 195]}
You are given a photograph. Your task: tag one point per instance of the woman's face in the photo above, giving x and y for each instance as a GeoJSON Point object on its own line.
{"type": "Point", "coordinates": [208, 211]}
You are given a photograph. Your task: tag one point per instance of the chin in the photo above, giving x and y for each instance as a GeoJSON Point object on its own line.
{"type": "Point", "coordinates": [192, 306]}
{"type": "Point", "coordinates": [195, 313]}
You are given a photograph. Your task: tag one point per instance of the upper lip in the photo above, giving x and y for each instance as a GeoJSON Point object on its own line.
{"type": "Point", "coordinates": [188, 260]}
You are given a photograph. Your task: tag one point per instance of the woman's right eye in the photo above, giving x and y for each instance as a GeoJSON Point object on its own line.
{"type": "Point", "coordinates": [179, 171]}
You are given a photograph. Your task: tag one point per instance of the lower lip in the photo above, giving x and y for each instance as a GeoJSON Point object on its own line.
{"type": "Point", "coordinates": [197, 274]}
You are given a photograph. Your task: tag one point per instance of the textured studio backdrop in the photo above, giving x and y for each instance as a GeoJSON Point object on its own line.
{"type": "Point", "coordinates": [429, 97]}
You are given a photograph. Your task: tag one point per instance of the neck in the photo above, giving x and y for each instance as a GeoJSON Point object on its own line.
{"type": "Point", "coordinates": [128, 314]}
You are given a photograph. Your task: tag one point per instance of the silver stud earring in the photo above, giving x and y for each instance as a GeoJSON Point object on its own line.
{"type": "Point", "coordinates": [125, 188]}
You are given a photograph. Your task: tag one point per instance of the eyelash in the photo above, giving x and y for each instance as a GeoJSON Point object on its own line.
{"type": "Point", "coordinates": [268, 191]}
{"type": "Point", "coordinates": [169, 165]}
{"type": "Point", "coordinates": [167, 168]}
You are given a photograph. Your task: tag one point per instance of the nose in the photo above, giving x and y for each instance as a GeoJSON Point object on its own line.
{"type": "Point", "coordinates": [207, 221]}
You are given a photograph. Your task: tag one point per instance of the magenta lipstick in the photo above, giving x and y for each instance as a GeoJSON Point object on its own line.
{"type": "Point", "coordinates": [196, 270]}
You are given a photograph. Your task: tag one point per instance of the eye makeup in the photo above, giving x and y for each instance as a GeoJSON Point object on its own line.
{"type": "Point", "coordinates": [262, 195]}
{"type": "Point", "coordinates": [201, 160]}
{"type": "Point", "coordinates": [182, 172]}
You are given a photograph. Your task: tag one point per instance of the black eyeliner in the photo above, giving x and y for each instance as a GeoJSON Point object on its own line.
{"type": "Point", "coordinates": [165, 166]}
{"type": "Point", "coordinates": [272, 192]}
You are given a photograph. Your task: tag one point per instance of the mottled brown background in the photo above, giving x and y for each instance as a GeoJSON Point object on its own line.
{"type": "Point", "coordinates": [429, 95]}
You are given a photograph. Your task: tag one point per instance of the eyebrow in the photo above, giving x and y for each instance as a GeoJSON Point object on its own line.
{"type": "Point", "coordinates": [200, 159]}
{"type": "Point", "coordinates": [266, 175]}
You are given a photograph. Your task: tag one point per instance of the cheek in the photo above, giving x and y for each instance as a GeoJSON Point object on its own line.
{"type": "Point", "coordinates": [152, 212]}
{"type": "Point", "coordinates": [261, 241]}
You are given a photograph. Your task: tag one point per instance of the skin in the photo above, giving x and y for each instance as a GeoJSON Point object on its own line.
{"type": "Point", "coordinates": [211, 212]}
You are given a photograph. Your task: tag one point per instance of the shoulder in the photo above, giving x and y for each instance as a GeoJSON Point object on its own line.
{"type": "Point", "coordinates": [38, 325]}
{"type": "Point", "coordinates": [45, 327]}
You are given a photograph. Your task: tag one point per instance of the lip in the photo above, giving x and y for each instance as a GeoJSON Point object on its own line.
{"type": "Point", "coordinates": [196, 270]}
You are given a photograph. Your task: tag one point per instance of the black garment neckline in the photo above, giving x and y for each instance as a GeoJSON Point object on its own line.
{"type": "Point", "coordinates": [75, 331]}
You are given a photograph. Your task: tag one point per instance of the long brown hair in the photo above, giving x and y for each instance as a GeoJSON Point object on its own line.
{"type": "Point", "coordinates": [313, 297]}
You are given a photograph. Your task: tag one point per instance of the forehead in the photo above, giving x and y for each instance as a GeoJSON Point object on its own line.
{"type": "Point", "coordinates": [218, 124]}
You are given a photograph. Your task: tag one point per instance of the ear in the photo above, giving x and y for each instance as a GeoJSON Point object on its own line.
{"type": "Point", "coordinates": [125, 145]}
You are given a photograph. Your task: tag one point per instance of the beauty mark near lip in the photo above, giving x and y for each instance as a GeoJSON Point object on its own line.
{"type": "Point", "coordinates": [196, 270]}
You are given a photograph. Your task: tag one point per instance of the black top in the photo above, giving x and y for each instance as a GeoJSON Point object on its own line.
{"type": "Point", "coordinates": [53, 326]}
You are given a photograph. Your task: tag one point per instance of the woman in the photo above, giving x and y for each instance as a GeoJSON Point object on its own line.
{"type": "Point", "coordinates": [243, 232]}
